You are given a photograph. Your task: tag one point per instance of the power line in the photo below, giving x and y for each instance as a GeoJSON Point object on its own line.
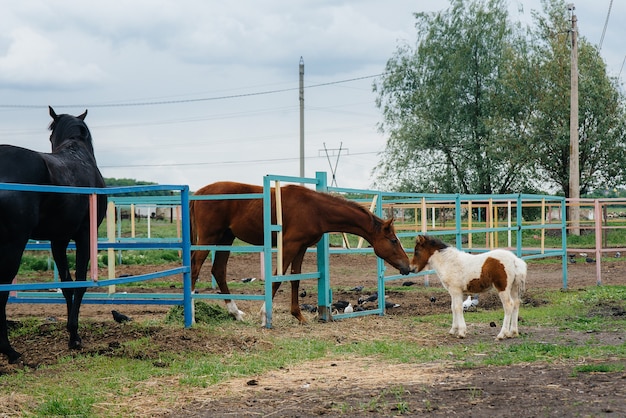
{"type": "Point", "coordinates": [273, 160]}
{"type": "Point", "coordinates": [606, 23]}
{"type": "Point", "coordinates": [181, 101]}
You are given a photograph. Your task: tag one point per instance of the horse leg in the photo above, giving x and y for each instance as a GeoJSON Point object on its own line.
{"type": "Point", "coordinates": [508, 305]}
{"type": "Point", "coordinates": [59, 249]}
{"type": "Point", "coordinates": [296, 268]}
{"type": "Point", "coordinates": [197, 259]}
{"type": "Point", "coordinates": [458, 322]}
{"type": "Point", "coordinates": [263, 311]}
{"type": "Point", "coordinates": [5, 345]}
{"type": "Point", "coordinates": [219, 272]}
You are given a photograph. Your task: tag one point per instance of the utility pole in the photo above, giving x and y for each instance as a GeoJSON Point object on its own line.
{"type": "Point", "coordinates": [301, 117]}
{"type": "Point", "coordinates": [574, 170]}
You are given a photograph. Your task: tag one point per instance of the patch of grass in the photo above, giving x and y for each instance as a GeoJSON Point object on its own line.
{"type": "Point", "coordinates": [56, 406]}
{"type": "Point", "coordinates": [98, 380]}
{"type": "Point", "coordinates": [205, 313]}
{"type": "Point", "coordinates": [597, 368]}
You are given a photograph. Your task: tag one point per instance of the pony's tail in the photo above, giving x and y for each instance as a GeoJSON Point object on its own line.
{"type": "Point", "coordinates": [192, 223]}
{"type": "Point", "coordinates": [520, 274]}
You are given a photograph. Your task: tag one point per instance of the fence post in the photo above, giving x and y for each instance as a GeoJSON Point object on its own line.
{"type": "Point", "coordinates": [324, 297]}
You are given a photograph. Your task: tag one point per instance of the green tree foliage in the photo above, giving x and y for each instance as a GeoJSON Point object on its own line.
{"type": "Point", "coordinates": [113, 182]}
{"type": "Point", "coordinates": [481, 106]}
{"type": "Point", "coordinates": [602, 117]}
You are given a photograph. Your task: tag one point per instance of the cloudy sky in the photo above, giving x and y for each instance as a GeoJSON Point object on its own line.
{"type": "Point", "coordinates": [196, 91]}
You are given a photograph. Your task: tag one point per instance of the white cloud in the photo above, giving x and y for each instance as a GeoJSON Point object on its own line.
{"type": "Point", "coordinates": [34, 61]}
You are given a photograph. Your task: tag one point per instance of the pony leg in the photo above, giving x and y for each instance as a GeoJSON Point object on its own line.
{"type": "Point", "coordinates": [515, 295]}
{"type": "Point", "coordinates": [507, 304]}
{"type": "Point", "coordinates": [219, 272]}
{"type": "Point", "coordinates": [458, 322]}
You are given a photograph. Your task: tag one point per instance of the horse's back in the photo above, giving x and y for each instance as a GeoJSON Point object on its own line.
{"type": "Point", "coordinates": [21, 165]}
{"type": "Point", "coordinates": [244, 217]}
{"type": "Point", "coordinates": [46, 215]}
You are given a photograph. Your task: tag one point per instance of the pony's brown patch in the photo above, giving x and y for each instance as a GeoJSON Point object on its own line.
{"type": "Point", "coordinates": [492, 273]}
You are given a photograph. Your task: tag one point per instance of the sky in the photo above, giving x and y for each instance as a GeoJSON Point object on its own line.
{"type": "Point", "coordinates": [197, 91]}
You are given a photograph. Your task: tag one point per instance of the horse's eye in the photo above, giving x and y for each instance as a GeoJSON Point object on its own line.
{"type": "Point", "coordinates": [394, 241]}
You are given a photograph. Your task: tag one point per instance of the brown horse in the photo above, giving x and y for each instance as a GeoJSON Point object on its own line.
{"type": "Point", "coordinates": [307, 215]}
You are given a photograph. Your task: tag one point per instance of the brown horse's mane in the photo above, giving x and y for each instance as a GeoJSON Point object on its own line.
{"type": "Point", "coordinates": [376, 221]}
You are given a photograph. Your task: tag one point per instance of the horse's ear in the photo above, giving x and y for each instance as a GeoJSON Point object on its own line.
{"type": "Point", "coordinates": [388, 225]}
{"type": "Point", "coordinates": [420, 239]}
{"type": "Point", "coordinates": [82, 117]}
{"type": "Point", "coordinates": [52, 113]}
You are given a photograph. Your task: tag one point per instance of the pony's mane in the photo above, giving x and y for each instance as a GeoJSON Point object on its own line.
{"type": "Point", "coordinates": [433, 242]}
{"type": "Point", "coordinates": [68, 127]}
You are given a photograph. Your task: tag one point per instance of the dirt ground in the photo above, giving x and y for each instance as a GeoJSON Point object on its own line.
{"type": "Point", "coordinates": [346, 386]}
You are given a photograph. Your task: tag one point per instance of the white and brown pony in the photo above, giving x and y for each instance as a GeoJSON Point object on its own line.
{"type": "Point", "coordinates": [462, 272]}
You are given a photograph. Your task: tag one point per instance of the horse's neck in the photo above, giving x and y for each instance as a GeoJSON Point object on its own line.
{"type": "Point", "coordinates": [349, 219]}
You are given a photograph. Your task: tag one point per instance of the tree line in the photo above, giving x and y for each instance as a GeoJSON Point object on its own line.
{"type": "Point", "coordinates": [481, 104]}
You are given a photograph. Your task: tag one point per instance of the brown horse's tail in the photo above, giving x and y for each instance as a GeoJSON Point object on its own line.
{"type": "Point", "coordinates": [192, 223]}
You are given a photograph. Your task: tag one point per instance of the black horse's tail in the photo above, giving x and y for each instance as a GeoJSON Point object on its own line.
{"type": "Point", "coordinates": [192, 223]}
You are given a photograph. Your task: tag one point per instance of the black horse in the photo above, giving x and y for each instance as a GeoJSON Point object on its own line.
{"type": "Point", "coordinates": [58, 217]}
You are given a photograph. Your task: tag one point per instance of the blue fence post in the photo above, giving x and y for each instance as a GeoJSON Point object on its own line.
{"type": "Point", "coordinates": [324, 296]}
{"type": "Point", "coordinates": [380, 263]}
{"type": "Point", "coordinates": [267, 248]}
{"type": "Point", "coordinates": [186, 253]}
{"type": "Point", "coordinates": [564, 239]}
{"type": "Point", "coordinates": [519, 222]}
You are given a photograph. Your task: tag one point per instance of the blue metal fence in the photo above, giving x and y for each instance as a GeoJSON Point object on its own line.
{"type": "Point", "coordinates": [25, 292]}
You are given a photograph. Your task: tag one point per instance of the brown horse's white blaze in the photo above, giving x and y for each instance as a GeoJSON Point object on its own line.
{"type": "Point", "coordinates": [307, 215]}
{"type": "Point", "coordinates": [461, 272]}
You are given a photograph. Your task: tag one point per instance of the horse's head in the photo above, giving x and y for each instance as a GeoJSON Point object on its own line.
{"type": "Point", "coordinates": [425, 247]}
{"type": "Point", "coordinates": [68, 127]}
{"type": "Point", "coordinates": [388, 247]}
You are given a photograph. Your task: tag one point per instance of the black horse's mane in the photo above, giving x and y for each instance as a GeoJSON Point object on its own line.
{"type": "Point", "coordinates": [68, 127]}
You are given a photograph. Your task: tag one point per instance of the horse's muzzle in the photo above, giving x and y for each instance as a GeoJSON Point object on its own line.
{"type": "Point", "coordinates": [406, 270]}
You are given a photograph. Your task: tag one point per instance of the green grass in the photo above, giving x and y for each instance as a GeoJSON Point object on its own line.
{"type": "Point", "coordinates": [97, 380]}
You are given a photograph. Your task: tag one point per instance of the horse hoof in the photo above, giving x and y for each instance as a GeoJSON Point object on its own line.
{"type": "Point", "coordinates": [14, 357]}
{"type": "Point", "coordinates": [76, 345]}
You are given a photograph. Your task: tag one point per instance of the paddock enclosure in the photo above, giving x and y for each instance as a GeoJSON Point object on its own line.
{"type": "Point", "coordinates": [473, 223]}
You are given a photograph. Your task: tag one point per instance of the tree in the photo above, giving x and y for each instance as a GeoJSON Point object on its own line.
{"type": "Point", "coordinates": [602, 126]}
{"type": "Point", "coordinates": [482, 106]}
{"type": "Point", "coordinates": [451, 127]}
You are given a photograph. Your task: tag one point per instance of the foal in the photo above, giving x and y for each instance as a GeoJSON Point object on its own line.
{"type": "Point", "coordinates": [461, 272]}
